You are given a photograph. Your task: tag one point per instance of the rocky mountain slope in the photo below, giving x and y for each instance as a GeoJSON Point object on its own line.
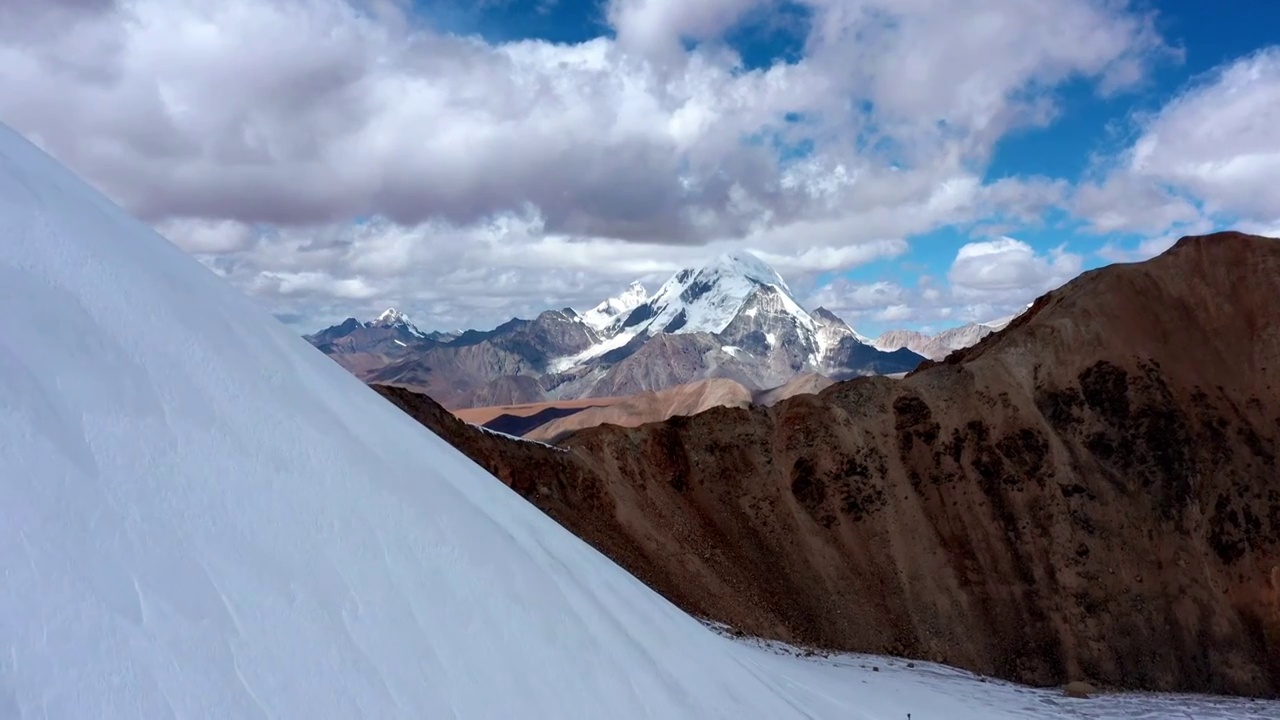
{"type": "Point", "coordinates": [734, 318]}
{"type": "Point", "coordinates": [553, 419]}
{"type": "Point", "coordinates": [942, 344]}
{"type": "Point", "coordinates": [688, 399]}
{"type": "Point", "coordinates": [1075, 496]}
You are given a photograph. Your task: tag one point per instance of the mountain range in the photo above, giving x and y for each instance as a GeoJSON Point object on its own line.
{"type": "Point", "coordinates": [734, 318]}
{"type": "Point", "coordinates": [942, 344]}
{"type": "Point", "coordinates": [1076, 495]}
{"type": "Point", "coordinates": [201, 516]}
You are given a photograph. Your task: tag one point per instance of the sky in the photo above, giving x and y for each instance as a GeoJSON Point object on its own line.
{"type": "Point", "coordinates": [904, 163]}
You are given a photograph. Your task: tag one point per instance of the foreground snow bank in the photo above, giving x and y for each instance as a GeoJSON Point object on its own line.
{"type": "Point", "coordinates": [870, 686]}
{"type": "Point", "coordinates": [202, 516]}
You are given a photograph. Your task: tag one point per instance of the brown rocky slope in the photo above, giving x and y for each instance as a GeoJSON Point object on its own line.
{"type": "Point", "coordinates": [1092, 493]}
{"type": "Point", "coordinates": [687, 399]}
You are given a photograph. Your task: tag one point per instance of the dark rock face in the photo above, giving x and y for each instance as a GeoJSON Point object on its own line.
{"type": "Point", "coordinates": [1078, 496]}
{"type": "Point", "coordinates": [498, 367]}
{"type": "Point", "coordinates": [852, 359]}
{"type": "Point", "coordinates": [352, 336]}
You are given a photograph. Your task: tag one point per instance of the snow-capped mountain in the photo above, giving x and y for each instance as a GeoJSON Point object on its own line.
{"type": "Point", "coordinates": [709, 298]}
{"type": "Point", "coordinates": [202, 517]}
{"type": "Point", "coordinates": [603, 315]}
{"type": "Point", "coordinates": [393, 318]}
{"type": "Point", "coordinates": [734, 317]}
{"type": "Point", "coordinates": [391, 334]}
{"type": "Point", "coordinates": [735, 294]}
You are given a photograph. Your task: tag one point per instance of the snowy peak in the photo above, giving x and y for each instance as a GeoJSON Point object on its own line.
{"type": "Point", "coordinates": [748, 266]}
{"type": "Point", "coordinates": [607, 312]}
{"type": "Point", "coordinates": [393, 318]}
{"type": "Point", "coordinates": [735, 289]}
{"type": "Point", "coordinates": [707, 299]}
{"type": "Point", "coordinates": [634, 295]}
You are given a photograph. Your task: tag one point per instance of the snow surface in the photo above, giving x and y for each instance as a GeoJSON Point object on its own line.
{"type": "Point", "coordinates": [516, 438]}
{"type": "Point", "coordinates": [201, 516]}
{"type": "Point", "coordinates": [603, 315]}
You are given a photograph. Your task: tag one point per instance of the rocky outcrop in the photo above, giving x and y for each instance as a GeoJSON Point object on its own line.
{"type": "Point", "coordinates": [1091, 493]}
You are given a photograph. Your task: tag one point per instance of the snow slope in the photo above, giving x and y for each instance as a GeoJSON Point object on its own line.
{"type": "Point", "coordinates": [708, 299]}
{"type": "Point", "coordinates": [603, 315]}
{"type": "Point", "coordinates": [203, 517]}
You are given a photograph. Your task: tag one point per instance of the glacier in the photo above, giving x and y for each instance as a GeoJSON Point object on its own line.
{"type": "Point", "coordinates": [201, 516]}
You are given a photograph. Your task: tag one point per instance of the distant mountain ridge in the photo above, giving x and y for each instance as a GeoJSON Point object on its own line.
{"type": "Point", "coordinates": [733, 318]}
{"type": "Point", "coordinates": [942, 344]}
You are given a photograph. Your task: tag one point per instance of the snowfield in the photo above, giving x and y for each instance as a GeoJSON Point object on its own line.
{"type": "Point", "coordinates": [201, 516]}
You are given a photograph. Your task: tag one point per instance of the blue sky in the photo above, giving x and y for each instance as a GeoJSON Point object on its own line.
{"type": "Point", "coordinates": [907, 163]}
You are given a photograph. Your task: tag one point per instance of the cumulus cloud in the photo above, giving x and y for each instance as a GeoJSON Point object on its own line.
{"type": "Point", "coordinates": [856, 299]}
{"type": "Point", "coordinates": [1220, 140]}
{"type": "Point", "coordinates": [1008, 270]}
{"type": "Point", "coordinates": [1209, 158]}
{"type": "Point", "coordinates": [329, 156]}
{"type": "Point", "coordinates": [988, 279]}
{"type": "Point", "coordinates": [1127, 203]}
{"type": "Point", "coordinates": [658, 27]}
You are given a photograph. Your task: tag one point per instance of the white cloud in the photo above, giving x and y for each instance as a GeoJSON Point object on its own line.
{"type": "Point", "coordinates": [657, 27]}
{"type": "Point", "coordinates": [1220, 140]}
{"type": "Point", "coordinates": [1131, 204]}
{"type": "Point", "coordinates": [987, 280]}
{"type": "Point", "coordinates": [492, 179]}
{"type": "Point", "coordinates": [856, 299]}
{"type": "Point", "coordinates": [1264, 228]}
{"type": "Point", "coordinates": [1143, 250]}
{"type": "Point", "coordinates": [1209, 158]}
{"type": "Point", "coordinates": [208, 237]}
{"type": "Point", "coordinates": [1008, 270]}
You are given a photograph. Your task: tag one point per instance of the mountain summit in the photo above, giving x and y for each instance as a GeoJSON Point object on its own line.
{"type": "Point", "coordinates": [393, 318]}
{"type": "Point", "coordinates": [709, 298]}
{"type": "Point", "coordinates": [604, 314]}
